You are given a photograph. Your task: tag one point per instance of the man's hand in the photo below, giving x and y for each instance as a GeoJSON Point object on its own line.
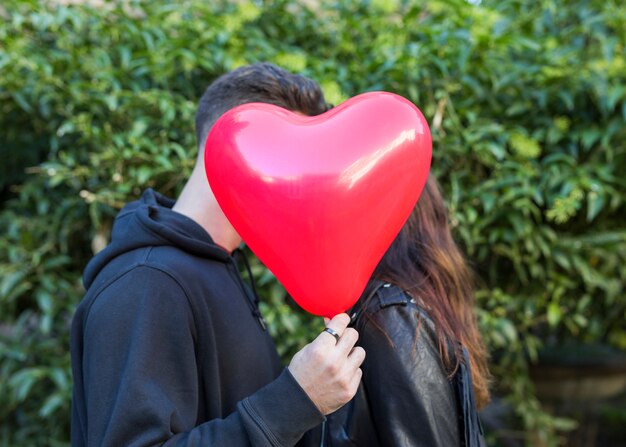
{"type": "Point", "coordinates": [328, 369]}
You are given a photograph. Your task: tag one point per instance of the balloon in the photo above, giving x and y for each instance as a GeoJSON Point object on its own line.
{"type": "Point", "coordinates": [320, 199]}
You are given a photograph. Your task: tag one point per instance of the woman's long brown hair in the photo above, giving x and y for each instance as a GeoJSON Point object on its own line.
{"type": "Point", "coordinates": [425, 261]}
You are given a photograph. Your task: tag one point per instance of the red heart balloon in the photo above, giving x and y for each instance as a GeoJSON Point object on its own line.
{"type": "Point", "coordinates": [320, 199]}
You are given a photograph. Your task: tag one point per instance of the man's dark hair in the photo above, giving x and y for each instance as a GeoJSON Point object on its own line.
{"type": "Point", "coordinates": [262, 82]}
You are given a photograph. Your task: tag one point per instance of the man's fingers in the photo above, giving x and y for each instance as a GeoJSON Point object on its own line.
{"type": "Point", "coordinates": [328, 370]}
{"type": "Point", "coordinates": [356, 357]}
{"type": "Point", "coordinates": [347, 341]}
{"type": "Point", "coordinates": [356, 379]}
{"type": "Point", "coordinates": [338, 325]}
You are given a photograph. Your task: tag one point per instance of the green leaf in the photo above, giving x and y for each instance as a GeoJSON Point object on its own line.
{"type": "Point", "coordinates": [508, 330]}
{"type": "Point", "coordinates": [23, 381]}
{"type": "Point", "coordinates": [9, 281]}
{"type": "Point", "coordinates": [19, 98]}
{"type": "Point", "coordinates": [554, 314]}
{"type": "Point", "coordinates": [595, 203]}
{"type": "Point", "coordinates": [52, 404]}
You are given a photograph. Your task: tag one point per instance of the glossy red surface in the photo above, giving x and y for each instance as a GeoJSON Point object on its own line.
{"type": "Point", "coordinates": [320, 199]}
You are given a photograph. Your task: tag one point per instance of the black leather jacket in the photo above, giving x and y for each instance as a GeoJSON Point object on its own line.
{"type": "Point", "coordinates": [406, 397]}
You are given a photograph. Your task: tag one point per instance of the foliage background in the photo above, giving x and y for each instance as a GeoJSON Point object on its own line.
{"type": "Point", "coordinates": [527, 105]}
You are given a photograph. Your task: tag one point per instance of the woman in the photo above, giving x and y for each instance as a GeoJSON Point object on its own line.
{"type": "Point", "coordinates": [417, 326]}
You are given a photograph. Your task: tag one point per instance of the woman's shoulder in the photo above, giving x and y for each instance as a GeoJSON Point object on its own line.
{"type": "Point", "coordinates": [403, 361]}
{"type": "Point", "coordinates": [380, 295]}
{"type": "Point", "coordinates": [390, 315]}
{"type": "Point", "coordinates": [384, 302]}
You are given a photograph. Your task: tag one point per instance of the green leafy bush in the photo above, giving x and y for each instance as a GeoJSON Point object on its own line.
{"type": "Point", "coordinates": [526, 101]}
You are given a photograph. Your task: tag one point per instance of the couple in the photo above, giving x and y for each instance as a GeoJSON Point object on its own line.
{"type": "Point", "coordinates": [169, 347]}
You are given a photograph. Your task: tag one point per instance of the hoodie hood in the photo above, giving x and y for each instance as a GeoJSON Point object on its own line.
{"type": "Point", "coordinates": [150, 222]}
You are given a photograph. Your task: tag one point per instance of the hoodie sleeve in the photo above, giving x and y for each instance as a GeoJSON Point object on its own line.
{"type": "Point", "coordinates": [140, 377]}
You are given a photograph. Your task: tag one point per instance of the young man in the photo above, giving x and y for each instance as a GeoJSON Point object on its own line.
{"type": "Point", "coordinates": [168, 345]}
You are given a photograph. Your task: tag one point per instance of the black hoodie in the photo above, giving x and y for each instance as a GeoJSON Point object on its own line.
{"type": "Point", "coordinates": [167, 348]}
